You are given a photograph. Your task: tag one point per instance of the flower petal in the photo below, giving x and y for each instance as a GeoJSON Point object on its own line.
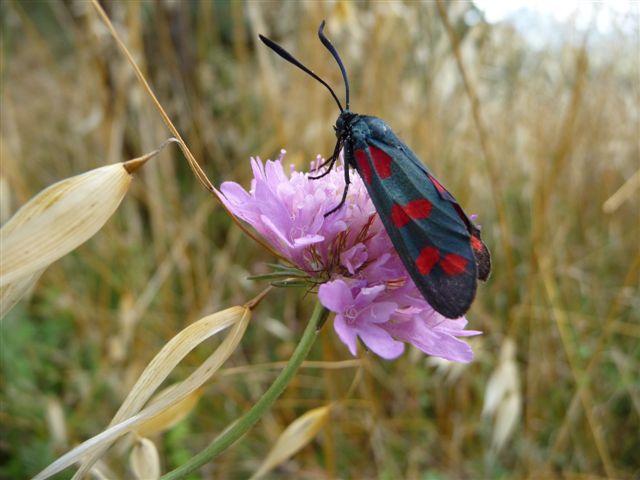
{"type": "Point", "coordinates": [444, 346]}
{"type": "Point", "coordinates": [272, 228]}
{"type": "Point", "coordinates": [367, 295]}
{"type": "Point", "coordinates": [235, 194]}
{"type": "Point", "coordinates": [354, 257]}
{"type": "Point", "coordinates": [432, 340]}
{"type": "Point", "coordinates": [346, 333]}
{"type": "Point", "coordinates": [453, 327]}
{"type": "Point", "coordinates": [307, 240]}
{"type": "Point", "coordinates": [378, 312]}
{"type": "Point", "coordinates": [335, 295]}
{"type": "Point", "coordinates": [380, 342]}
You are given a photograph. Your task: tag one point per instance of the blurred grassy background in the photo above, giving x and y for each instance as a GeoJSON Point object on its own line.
{"type": "Point", "coordinates": [553, 135]}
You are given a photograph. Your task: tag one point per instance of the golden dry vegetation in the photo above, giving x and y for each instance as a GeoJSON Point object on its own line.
{"type": "Point", "coordinates": [542, 141]}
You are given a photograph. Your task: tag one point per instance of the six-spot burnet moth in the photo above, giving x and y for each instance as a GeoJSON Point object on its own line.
{"type": "Point", "coordinates": [437, 242]}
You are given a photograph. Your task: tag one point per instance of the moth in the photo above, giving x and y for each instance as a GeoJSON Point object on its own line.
{"type": "Point", "coordinates": [438, 243]}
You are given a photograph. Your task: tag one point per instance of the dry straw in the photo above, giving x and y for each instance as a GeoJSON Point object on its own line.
{"type": "Point", "coordinates": [503, 398]}
{"type": "Point", "coordinates": [175, 401]}
{"type": "Point", "coordinates": [144, 460]}
{"type": "Point", "coordinates": [57, 221]}
{"type": "Point", "coordinates": [172, 415]}
{"type": "Point", "coordinates": [294, 438]}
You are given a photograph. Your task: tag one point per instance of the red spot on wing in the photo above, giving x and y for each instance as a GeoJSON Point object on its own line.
{"type": "Point", "coordinates": [399, 216]}
{"type": "Point", "coordinates": [453, 264]}
{"type": "Point", "coordinates": [415, 209]}
{"type": "Point", "coordinates": [476, 244]}
{"type": "Point", "coordinates": [437, 184]}
{"type": "Point", "coordinates": [418, 209]}
{"type": "Point", "coordinates": [381, 162]}
{"type": "Point", "coordinates": [363, 165]}
{"type": "Point", "coordinates": [427, 259]}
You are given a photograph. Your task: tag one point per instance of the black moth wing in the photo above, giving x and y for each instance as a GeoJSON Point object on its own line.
{"type": "Point", "coordinates": [430, 231]}
{"type": "Point", "coordinates": [482, 255]}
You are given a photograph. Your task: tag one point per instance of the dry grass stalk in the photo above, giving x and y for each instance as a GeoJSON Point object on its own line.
{"type": "Point", "coordinates": [57, 423]}
{"type": "Point", "coordinates": [13, 292]}
{"type": "Point", "coordinates": [129, 416]}
{"type": "Point", "coordinates": [57, 221]}
{"type": "Point", "coordinates": [170, 416]}
{"type": "Point", "coordinates": [503, 399]}
{"type": "Point", "coordinates": [5, 199]}
{"type": "Point", "coordinates": [64, 76]}
{"type": "Point", "coordinates": [624, 193]}
{"type": "Point", "coordinates": [294, 438]}
{"type": "Point", "coordinates": [561, 318]}
{"type": "Point", "coordinates": [193, 163]}
{"type": "Point", "coordinates": [144, 460]}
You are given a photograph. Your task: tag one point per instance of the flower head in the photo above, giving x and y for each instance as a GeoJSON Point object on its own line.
{"type": "Point", "coordinates": [363, 279]}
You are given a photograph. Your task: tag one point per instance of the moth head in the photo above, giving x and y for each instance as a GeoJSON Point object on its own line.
{"type": "Point", "coordinates": [344, 122]}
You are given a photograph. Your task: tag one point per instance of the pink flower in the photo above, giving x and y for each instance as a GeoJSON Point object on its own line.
{"type": "Point", "coordinates": [363, 279]}
{"type": "Point", "coordinates": [358, 314]}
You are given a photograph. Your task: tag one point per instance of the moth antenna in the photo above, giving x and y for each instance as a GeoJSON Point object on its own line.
{"type": "Point", "coordinates": [291, 59]}
{"type": "Point", "coordinates": [325, 41]}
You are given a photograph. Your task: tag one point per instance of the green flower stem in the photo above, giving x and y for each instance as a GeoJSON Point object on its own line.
{"type": "Point", "coordinates": [244, 423]}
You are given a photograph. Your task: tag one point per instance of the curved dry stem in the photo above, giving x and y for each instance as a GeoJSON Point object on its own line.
{"type": "Point", "coordinates": [195, 166]}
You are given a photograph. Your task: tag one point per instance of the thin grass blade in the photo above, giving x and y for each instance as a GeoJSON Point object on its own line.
{"type": "Point", "coordinates": [144, 460]}
{"type": "Point", "coordinates": [59, 219]}
{"type": "Point", "coordinates": [129, 416]}
{"type": "Point", "coordinates": [294, 438]}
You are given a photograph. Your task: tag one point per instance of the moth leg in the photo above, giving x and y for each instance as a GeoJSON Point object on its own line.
{"type": "Point", "coordinates": [327, 161]}
{"type": "Point", "coordinates": [347, 181]}
{"type": "Point", "coordinates": [331, 161]}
